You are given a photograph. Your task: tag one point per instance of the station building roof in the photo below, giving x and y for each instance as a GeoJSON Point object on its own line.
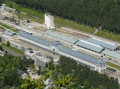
{"type": "Point", "coordinates": [56, 43]}
{"type": "Point", "coordinates": [103, 43]}
{"type": "Point", "coordinates": [59, 46]}
{"type": "Point", "coordinates": [61, 36]}
{"type": "Point", "coordinates": [82, 56]}
{"type": "Point", "coordinates": [89, 46]}
{"type": "Point", "coordinates": [9, 33]}
{"type": "Point", "coordinates": [34, 38]}
{"type": "Point", "coordinates": [111, 54]}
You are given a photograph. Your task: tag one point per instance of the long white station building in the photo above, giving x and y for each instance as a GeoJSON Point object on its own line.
{"type": "Point", "coordinates": [96, 64]}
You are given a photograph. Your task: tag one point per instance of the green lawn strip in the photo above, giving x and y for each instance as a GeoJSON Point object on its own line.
{"type": "Point", "coordinates": [13, 49]}
{"type": "Point", "coordinates": [8, 27]}
{"type": "Point", "coordinates": [113, 65]}
{"type": "Point", "coordinates": [108, 35]}
{"type": "Point", "coordinates": [14, 30]}
{"type": "Point", "coordinates": [16, 50]}
{"type": "Point", "coordinates": [30, 18]}
{"type": "Point", "coordinates": [109, 67]}
{"type": "Point", "coordinates": [68, 23]}
{"type": "Point", "coordinates": [2, 28]}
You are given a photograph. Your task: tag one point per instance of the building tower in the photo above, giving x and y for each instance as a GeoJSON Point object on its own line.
{"type": "Point", "coordinates": [49, 22]}
{"type": "Point", "coordinates": [3, 7]}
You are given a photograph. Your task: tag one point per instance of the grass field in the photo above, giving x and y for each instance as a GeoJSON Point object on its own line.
{"type": "Point", "coordinates": [13, 49]}
{"type": "Point", "coordinates": [8, 27]}
{"type": "Point", "coordinates": [2, 28]}
{"type": "Point", "coordinates": [113, 65]}
{"type": "Point", "coordinates": [62, 22]}
{"type": "Point", "coordinates": [109, 35]}
{"type": "Point", "coordinates": [30, 18]}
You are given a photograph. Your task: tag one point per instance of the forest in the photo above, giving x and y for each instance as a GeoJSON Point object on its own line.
{"type": "Point", "coordinates": [67, 73]}
{"type": "Point", "coordinates": [103, 14]}
{"type": "Point", "coordinates": [9, 66]}
{"type": "Point", "coordinates": [82, 75]}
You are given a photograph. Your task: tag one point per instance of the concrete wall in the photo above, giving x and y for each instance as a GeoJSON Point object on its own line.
{"type": "Point", "coordinates": [49, 21]}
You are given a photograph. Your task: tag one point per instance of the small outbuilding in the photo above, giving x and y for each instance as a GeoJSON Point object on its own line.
{"type": "Point", "coordinates": [8, 33]}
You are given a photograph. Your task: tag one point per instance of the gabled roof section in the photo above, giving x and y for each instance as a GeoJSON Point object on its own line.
{"type": "Point", "coordinates": [89, 46]}
{"type": "Point", "coordinates": [34, 38]}
{"type": "Point", "coordinates": [56, 43]}
{"type": "Point", "coordinates": [9, 33]}
{"type": "Point", "coordinates": [111, 54]}
{"type": "Point", "coordinates": [103, 43]}
{"type": "Point", "coordinates": [82, 56]}
{"type": "Point", "coordinates": [61, 36]}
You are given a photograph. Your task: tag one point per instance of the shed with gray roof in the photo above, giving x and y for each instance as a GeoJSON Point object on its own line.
{"type": "Point", "coordinates": [9, 33]}
{"type": "Point", "coordinates": [89, 46]}
{"type": "Point", "coordinates": [82, 56]}
{"type": "Point", "coordinates": [61, 36]}
{"type": "Point", "coordinates": [112, 54]}
{"type": "Point", "coordinates": [34, 38]}
{"type": "Point", "coordinates": [103, 43]}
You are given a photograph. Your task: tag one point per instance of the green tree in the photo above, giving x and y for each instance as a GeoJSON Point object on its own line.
{"type": "Point", "coordinates": [8, 43]}
{"type": "Point", "coordinates": [2, 1]}
{"type": "Point", "coordinates": [46, 65]}
{"type": "Point", "coordinates": [0, 39]}
{"type": "Point", "coordinates": [28, 83]}
{"type": "Point", "coordinates": [1, 47]}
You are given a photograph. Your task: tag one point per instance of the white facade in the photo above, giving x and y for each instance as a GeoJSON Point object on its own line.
{"type": "Point", "coordinates": [3, 6]}
{"type": "Point", "coordinates": [49, 22]}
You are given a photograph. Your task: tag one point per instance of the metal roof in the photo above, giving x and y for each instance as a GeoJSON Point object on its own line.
{"type": "Point", "coordinates": [89, 46]}
{"type": "Point", "coordinates": [61, 36]}
{"type": "Point", "coordinates": [9, 33]}
{"type": "Point", "coordinates": [63, 49]}
{"type": "Point", "coordinates": [103, 43]}
{"type": "Point", "coordinates": [81, 56]}
{"type": "Point", "coordinates": [111, 53]}
{"type": "Point", "coordinates": [56, 43]}
{"type": "Point", "coordinates": [34, 38]}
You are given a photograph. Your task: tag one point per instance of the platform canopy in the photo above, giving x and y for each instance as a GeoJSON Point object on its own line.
{"type": "Point", "coordinates": [34, 38]}
{"type": "Point", "coordinates": [103, 43]}
{"type": "Point", "coordinates": [61, 36]}
{"type": "Point", "coordinates": [82, 56]}
{"type": "Point", "coordinates": [89, 46]}
{"type": "Point", "coordinates": [9, 33]}
{"type": "Point", "coordinates": [111, 54]}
